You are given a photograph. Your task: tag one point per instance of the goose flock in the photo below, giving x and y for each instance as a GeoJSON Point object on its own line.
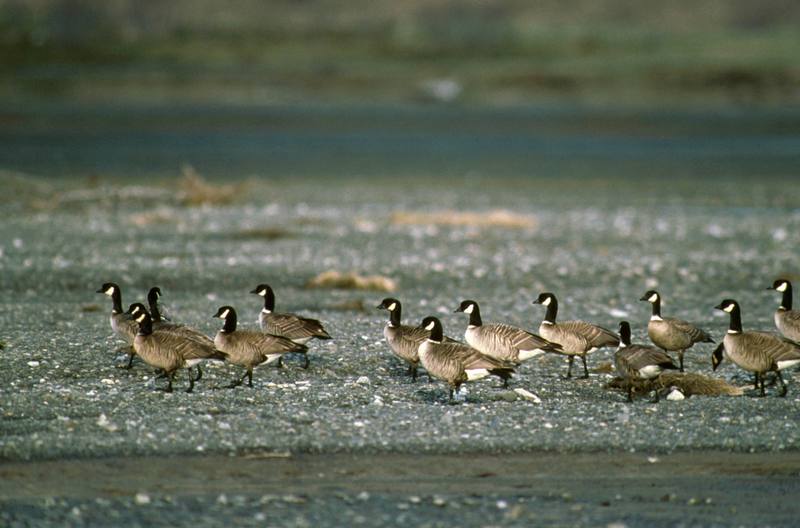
{"type": "Point", "coordinates": [490, 349]}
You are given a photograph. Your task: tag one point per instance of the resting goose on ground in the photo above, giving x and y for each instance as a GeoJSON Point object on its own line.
{"type": "Point", "coordinates": [638, 362]}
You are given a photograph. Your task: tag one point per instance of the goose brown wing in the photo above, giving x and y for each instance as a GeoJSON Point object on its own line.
{"type": "Point", "coordinates": [641, 356]}
{"type": "Point", "coordinates": [473, 359]}
{"type": "Point", "coordinates": [776, 348]}
{"type": "Point", "coordinates": [189, 333]}
{"type": "Point", "coordinates": [694, 333]}
{"type": "Point", "coordinates": [294, 326]}
{"type": "Point", "coordinates": [189, 348]}
{"type": "Point", "coordinates": [252, 344]}
{"type": "Point", "coordinates": [596, 336]}
{"type": "Point", "coordinates": [519, 339]}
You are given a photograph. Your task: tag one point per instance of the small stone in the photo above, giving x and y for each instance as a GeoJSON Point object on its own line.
{"type": "Point", "coordinates": [363, 380]}
{"type": "Point", "coordinates": [363, 496]}
{"type": "Point", "coordinates": [33, 363]}
{"type": "Point", "coordinates": [653, 459]}
{"type": "Point", "coordinates": [675, 395]}
{"type": "Point", "coordinates": [439, 501]}
{"type": "Point", "coordinates": [528, 395]}
{"type": "Point", "coordinates": [501, 505]}
{"type": "Point", "coordinates": [105, 423]}
{"type": "Point", "coordinates": [141, 499]}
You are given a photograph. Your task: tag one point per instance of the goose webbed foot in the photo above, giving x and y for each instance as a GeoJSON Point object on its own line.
{"type": "Point", "coordinates": [784, 389]}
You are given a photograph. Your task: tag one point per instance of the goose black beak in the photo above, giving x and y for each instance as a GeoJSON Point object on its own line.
{"type": "Point", "coordinates": [644, 298]}
{"type": "Point", "coordinates": [379, 307]}
{"type": "Point", "coordinates": [458, 310]}
{"type": "Point", "coordinates": [254, 291]}
{"type": "Point", "coordinates": [719, 307]}
{"type": "Point", "coordinates": [536, 302]}
{"type": "Point", "coordinates": [770, 288]}
{"type": "Point", "coordinates": [100, 291]}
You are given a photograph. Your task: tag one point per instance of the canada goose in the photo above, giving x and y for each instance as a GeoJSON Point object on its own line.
{"type": "Point", "coordinates": [757, 352]}
{"type": "Point", "coordinates": [122, 323]}
{"type": "Point", "coordinates": [404, 340]}
{"type": "Point", "coordinates": [169, 351]}
{"type": "Point", "coordinates": [786, 319]}
{"type": "Point", "coordinates": [178, 329]}
{"type": "Point", "coordinates": [577, 338]}
{"type": "Point", "coordinates": [457, 363]}
{"type": "Point", "coordinates": [159, 323]}
{"type": "Point", "coordinates": [298, 329]}
{"type": "Point", "coordinates": [250, 349]}
{"type": "Point", "coordinates": [502, 341]}
{"type": "Point", "coordinates": [669, 333]}
{"type": "Point", "coordinates": [152, 303]}
{"type": "Point", "coordinates": [638, 362]}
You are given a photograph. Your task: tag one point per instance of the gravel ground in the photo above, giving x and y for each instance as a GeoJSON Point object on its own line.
{"type": "Point", "coordinates": [599, 244]}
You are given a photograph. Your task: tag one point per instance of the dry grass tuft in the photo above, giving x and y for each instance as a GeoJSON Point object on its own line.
{"type": "Point", "coordinates": [352, 281]}
{"type": "Point", "coordinates": [263, 233]}
{"type": "Point", "coordinates": [193, 190]}
{"type": "Point", "coordinates": [697, 384]}
{"type": "Point", "coordinates": [154, 217]}
{"type": "Point", "coordinates": [495, 218]}
{"type": "Point", "coordinates": [689, 383]}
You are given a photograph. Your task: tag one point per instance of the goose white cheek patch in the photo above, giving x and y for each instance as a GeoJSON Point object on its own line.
{"type": "Point", "coordinates": [782, 287]}
{"type": "Point", "coordinates": [547, 301]}
{"type": "Point", "coordinates": [109, 291]}
{"type": "Point", "coordinates": [224, 314]}
{"type": "Point", "coordinates": [469, 309]}
{"type": "Point", "coordinates": [653, 298]}
{"type": "Point", "coordinates": [729, 308]}
{"type": "Point", "coordinates": [392, 307]}
{"type": "Point", "coordinates": [430, 326]}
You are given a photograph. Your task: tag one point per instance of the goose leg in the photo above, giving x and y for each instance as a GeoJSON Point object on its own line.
{"type": "Point", "coordinates": [235, 383]}
{"type": "Point", "coordinates": [630, 392]}
{"type": "Point", "coordinates": [755, 387]}
{"type": "Point", "coordinates": [191, 380]}
{"type": "Point", "coordinates": [280, 362]}
{"type": "Point", "coordinates": [762, 386]}
{"type": "Point", "coordinates": [569, 368]}
{"type": "Point", "coordinates": [307, 363]}
{"type": "Point", "coordinates": [784, 389]}
{"type": "Point", "coordinates": [199, 374]}
{"type": "Point", "coordinates": [680, 358]}
{"type": "Point", "coordinates": [413, 371]}
{"type": "Point", "coordinates": [249, 377]}
{"type": "Point", "coordinates": [129, 365]}
{"type": "Point", "coordinates": [169, 381]}
{"type": "Point", "coordinates": [585, 370]}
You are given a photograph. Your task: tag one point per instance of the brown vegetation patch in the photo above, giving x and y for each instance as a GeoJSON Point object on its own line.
{"type": "Point", "coordinates": [194, 190]}
{"type": "Point", "coordinates": [352, 281]}
{"type": "Point", "coordinates": [495, 218]}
